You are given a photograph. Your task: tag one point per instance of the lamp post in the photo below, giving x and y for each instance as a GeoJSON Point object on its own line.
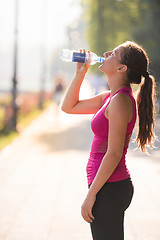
{"type": "Point", "coordinates": [14, 79]}
{"type": "Point", "coordinates": [43, 55]}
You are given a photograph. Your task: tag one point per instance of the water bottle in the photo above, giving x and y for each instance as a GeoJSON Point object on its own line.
{"type": "Point", "coordinates": [75, 56]}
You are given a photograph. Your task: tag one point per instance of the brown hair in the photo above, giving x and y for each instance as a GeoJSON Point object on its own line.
{"type": "Point", "coordinates": [137, 62]}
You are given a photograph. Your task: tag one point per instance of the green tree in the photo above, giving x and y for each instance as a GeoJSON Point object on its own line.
{"type": "Point", "coordinates": [109, 23]}
{"type": "Point", "coordinates": [148, 34]}
{"type": "Point", "coordinates": [112, 22]}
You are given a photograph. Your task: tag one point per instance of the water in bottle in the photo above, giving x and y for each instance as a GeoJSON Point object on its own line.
{"type": "Point", "coordinates": [83, 57]}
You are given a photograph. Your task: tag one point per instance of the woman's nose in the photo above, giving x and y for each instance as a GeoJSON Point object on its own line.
{"type": "Point", "coordinates": [106, 54]}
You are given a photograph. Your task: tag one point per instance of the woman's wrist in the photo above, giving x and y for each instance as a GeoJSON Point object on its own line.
{"type": "Point", "coordinates": [80, 73]}
{"type": "Point", "coordinates": [92, 193]}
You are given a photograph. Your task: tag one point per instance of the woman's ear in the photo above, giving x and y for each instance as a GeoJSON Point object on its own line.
{"type": "Point", "coordinates": [122, 68]}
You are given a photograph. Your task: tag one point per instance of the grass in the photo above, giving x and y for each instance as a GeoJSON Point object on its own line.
{"type": "Point", "coordinates": [23, 121]}
{"type": "Point", "coordinates": [7, 139]}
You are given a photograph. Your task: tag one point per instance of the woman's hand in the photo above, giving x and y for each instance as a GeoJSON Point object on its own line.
{"type": "Point", "coordinates": [86, 209]}
{"type": "Point", "coordinates": [83, 67]}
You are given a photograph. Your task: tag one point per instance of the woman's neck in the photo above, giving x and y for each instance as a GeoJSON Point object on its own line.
{"type": "Point", "coordinates": [116, 88]}
{"type": "Point", "coordinates": [117, 83]}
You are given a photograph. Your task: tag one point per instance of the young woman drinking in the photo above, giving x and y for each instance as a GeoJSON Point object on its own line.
{"type": "Point", "coordinates": [110, 186]}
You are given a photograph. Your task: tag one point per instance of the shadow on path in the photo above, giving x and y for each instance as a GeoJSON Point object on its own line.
{"type": "Point", "coordinates": [77, 137]}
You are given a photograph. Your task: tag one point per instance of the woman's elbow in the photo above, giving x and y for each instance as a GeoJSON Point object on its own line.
{"type": "Point", "coordinates": [116, 155]}
{"type": "Point", "coordinates": [64, 109]}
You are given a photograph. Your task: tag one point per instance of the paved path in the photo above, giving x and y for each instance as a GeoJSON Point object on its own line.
{"type": "Point", "coordinates": [43, 183]}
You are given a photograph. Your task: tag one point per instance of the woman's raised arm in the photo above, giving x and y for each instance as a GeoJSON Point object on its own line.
{"type": "Point", "coordinates": [71, 103]}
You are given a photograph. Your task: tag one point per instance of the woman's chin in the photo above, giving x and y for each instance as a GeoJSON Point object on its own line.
{"type": "Point", "coordinates": [101, 67]}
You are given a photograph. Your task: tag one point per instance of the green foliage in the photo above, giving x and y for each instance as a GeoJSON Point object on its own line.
{"type": "Point", "coordinates": [148, 34]}
{"type": "Point", "coordinates": [6, 137]}
{"type": "Point", "coordinates": [112, 22]}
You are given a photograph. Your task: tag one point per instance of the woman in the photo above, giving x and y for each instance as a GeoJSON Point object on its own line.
{"type": "Point", "coordinates": [110, 187]}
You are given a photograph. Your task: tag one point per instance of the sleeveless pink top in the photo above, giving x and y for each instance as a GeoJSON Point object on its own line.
{"type": "Point", "coordinates": [100, 128]}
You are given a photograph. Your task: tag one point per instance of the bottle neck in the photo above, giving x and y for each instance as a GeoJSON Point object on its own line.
{"type": "Point", "coordinates": [100, 59]}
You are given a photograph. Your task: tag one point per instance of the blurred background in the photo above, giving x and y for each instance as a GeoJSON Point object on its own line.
{"type": "Point", "coordinates": [42, 172]}
{"type": "Point", "coordinates": [33, 32]}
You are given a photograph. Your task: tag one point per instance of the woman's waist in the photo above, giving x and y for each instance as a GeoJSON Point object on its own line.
{"type": "Point", "coordinates": [95, 155]}
{"type": "Point", "coordinates": [100, 137]}
{"type": "Point", "coordinates": [99, 145]}
{"type": "Point", "coordinates": [96, 158]}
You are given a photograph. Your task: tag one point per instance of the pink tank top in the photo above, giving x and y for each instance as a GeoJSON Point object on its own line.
{"type": "Point", "coordinates": [100, 127]}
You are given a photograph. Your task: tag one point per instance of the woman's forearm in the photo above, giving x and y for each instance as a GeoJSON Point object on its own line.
{"type": "Point", "coordinates": [72, 95]}
{"type": "Point", "coordinates": [106, 169]}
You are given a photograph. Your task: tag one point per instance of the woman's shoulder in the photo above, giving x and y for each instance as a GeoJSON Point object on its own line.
{"type": "Point", "coordinates": [122, 100]}
{"type": "Point", "coordinates": [122, 104]}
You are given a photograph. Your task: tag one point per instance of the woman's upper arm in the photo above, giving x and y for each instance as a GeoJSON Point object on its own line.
{"type": "Point", "coordinates": [118, 121]}
{"type": "Point", "coordinates": [90, 105]}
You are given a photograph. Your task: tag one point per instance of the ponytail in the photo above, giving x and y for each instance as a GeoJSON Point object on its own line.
{"type": "Point", "coordinates": [145, 105]}
{"type": "Point", "coordinates": [137, 62]}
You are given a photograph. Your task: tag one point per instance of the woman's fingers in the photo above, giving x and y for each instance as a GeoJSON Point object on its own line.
{"type": "Point", "coordinates": [91, 215]}
{"type": "Point", "coordinates": [83, 67]}
{"type": "Point", "coordinates": [87, 206]}
{"type": "Point", "coordinates": [87, 217]}
{"type": "Point", "coordinates": [89, 59]}
{"type": "Point", "coordinates": [87, 214]}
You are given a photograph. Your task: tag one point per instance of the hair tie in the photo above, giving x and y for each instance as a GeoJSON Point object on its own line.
{"type": "Point", "coordinates": [146, 74]}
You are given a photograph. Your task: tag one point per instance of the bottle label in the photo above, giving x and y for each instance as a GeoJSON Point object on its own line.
{"type": "Point", "coordinates": [78, 57]}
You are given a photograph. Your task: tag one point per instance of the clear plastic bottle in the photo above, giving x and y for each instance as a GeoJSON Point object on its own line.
{"type": "Point", "coordinates": [75, 56]}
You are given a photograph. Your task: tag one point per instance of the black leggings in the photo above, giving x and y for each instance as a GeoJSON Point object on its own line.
{"type": "Point", "coordinates": [111, 202]}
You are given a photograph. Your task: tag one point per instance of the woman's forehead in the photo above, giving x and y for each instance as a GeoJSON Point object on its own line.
{"type": "Point", "coordinates": [118, 49]}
